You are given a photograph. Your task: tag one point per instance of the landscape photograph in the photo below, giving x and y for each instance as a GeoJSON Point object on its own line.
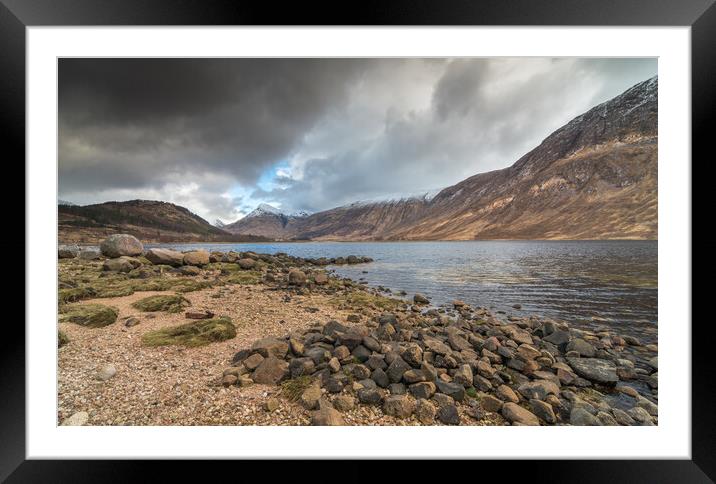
{"type": "Point", "coordinates": [357, 241]}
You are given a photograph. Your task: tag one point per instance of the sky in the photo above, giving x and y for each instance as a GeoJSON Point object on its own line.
{"type": "Point", "coordinates": [220, 136]}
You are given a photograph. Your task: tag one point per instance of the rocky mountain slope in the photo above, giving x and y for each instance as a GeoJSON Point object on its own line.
{"type": "Point", "coordinates": [594, 178]}
{"type": "Point", "coordinates": [150, 221]}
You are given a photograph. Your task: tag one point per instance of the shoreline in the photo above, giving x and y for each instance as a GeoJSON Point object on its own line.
{"type": "Point", "coordinates": [499, 363]}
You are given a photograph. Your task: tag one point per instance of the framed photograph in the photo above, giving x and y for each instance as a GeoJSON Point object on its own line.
{"type": "Point", "coordinates": [423, 232]}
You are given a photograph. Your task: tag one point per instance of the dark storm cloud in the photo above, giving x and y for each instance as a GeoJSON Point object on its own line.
{"type": "Point", "coordinates": [193, 130]}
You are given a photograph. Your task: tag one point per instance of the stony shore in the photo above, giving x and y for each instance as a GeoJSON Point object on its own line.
{"type": "Point", "coordinates": [160, 337]}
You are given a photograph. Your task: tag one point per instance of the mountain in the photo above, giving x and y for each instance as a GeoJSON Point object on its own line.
{"type": "Point", "coordinates": [265, 221]}
{"type": "Point", "coordinates": [65, 202]}
{"type": "Point", "coordinates": [150, 221]}
{"type": "Point", "coordinates": [219, 223]}
{"type": "Point", "coordinates": [594, 178]}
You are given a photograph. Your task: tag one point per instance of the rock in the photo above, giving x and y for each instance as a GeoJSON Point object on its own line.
{"type": "Point", "coordinates": [506, 394]}
{"type": "Point", "coordinates": [397, 389]}
{"type": "Point", "coordinates": [189, 271]}
{"type": "Point", "coordinates": [244, 381]}
{"type": "Point", "coordinates": [543, 410]}
{"type": "Point", "coordinates": [437, 347]}
{"type": "Point", "coordinates": [647, 405]}
{"type": "Point", "coordinates": [581, 347]}
{"type": "Point", "coordinates": [89, 254]}
{"type": "Point", "coordinates": [228, 380]}
{"type": "Point", "coordinates": [344, 403]}
{"type": "Point", "coordinates": [106, 372]}
{"type": "Point", "coordinates": [449, 415]}
{"type": "Point", "coordinates": [380, 378]}
{"type": "Point", "coordinates": [296, 277]}
{"type": "Point", "coordinates": [606, 419]}
{"type": "Point", "coordinates": [538, 389]}
{"type": "Point", "coordinates": [310, 397]}
{"type": "Point", "coordinates": [253, 361]}
{"type": "Point", "coordinates": [296, 346]}
{"type": "Point", "coordinates": [420, 299]}
{"type": "Point", "coordinates": [68, 252]}
{"type": "Point", "coordinates": [413, 355]}
{"type": "Point", "coordinates": [333, 364]}
{"type": "Point", "coordinates": [271, 404]}
{"type": "Point", "coordinates": [454, 390]}
{"type": "Point", "coordinates": [622, 417]}
{"type": "Point", "coordinates": [196, 258]}
{"type": "Point", "coordinates": [396, 369]}
{"type": "Point", "coordinates": [271, 347]}
{"type": "Point", "coordinates": [425, 411]}
{"type": "Point", "coordinates": [528, 352]}
{"type": "Point", "coordinates": [327, 416]}
{"type": "Point", "coordinates": [320, 278]}
{"type": "Point", "coordinates": [76, 419]}
{"type": "Point", "coordinates": [246, 264]}
{"type": "Point", "coordinates": [165, 257]}
{"type": "Point", "coordinates": [491, 403]}
{"type": "Point", "coordinates": [199, 314]}
{"type": "Point", "coordinates": [516, 414]}
{"type": "Point", "coordinates": [131, 321]}
{"type": "Point", "coordinates": [119, 264]}
{"type": "Point", "coordinates": [271, 371]}
{"type": "Point", "coordinates": [463, 376]}
{"type": "Point", "coordinates": [558, 337]}
{"type": "Point", "coordinates": [369, 396]}
{"type": "Point", "coordinates": [579, 416]}
{"type": "Point", "coordinates": [594, 369]}
{"type": "Point", "coordinates": [121, 244]}
{"type": "Point", "coordinates": [400, 406]}
{"type": "Point", "coordinates": [423, 390]}
{"type": "Point", "coordinates": [640, 415]}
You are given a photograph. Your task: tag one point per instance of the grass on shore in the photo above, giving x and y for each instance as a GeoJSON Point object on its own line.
{"type": "Point", "coordinates": [198, 333]}
{"type": "Point", "coordinates": [293, 389]}
{"type": "Point", "coordinates": [89, 315]}
{"type": "Point", "coordinates": [170, 303]}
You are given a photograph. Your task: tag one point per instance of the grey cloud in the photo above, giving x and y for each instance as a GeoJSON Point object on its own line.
{"type": "Point", "coordinates": [351, 128]}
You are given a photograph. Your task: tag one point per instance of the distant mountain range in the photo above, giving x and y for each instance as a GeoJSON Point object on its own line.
{"type": "Point", "coordinates": [594, 178]}
{"type": "Point", "coordinates": [151, 221]}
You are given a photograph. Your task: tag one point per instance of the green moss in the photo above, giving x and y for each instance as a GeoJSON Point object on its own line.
{"type": "Point", "coordinates": [358, 299]}
{"type": "Point", "coordinates": [193, 334]}
{"type": "Point", "coordinates": [243, 277]}
{"type": "Point", "coordinates": [75, 294]}
{"type": "Point", "coordinates": [293, 389]}
{"type": "Point", "coordinates": [170, 303]}
{"type": "Point", "coordinates": [471, 392]}
{"type": "Point", "coordinates": [90, 315]}
{"type": "Point", "coordinates": [62, 339]}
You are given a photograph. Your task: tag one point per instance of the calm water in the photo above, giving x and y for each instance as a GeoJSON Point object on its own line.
{"type": "Point", "coordinates": [589, 283]}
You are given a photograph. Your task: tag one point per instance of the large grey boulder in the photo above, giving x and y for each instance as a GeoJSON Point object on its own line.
{"type": "Point", "coordinates": [595, 369]}
{"type": "Point", "coordinates": [196, 258]}
{"type": "Point", "coordinates": [121, 244]}
{"type": "Point", "coordinates": [165, 256]}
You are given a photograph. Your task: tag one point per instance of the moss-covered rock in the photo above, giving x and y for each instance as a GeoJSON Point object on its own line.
{"type": "Point", "coordinates": [62, 339]}
{"type": "Point", "coordinates": [197, 333]}
{"type": "Point", "coordinates": [89, 315]}
{"type": "Point", "coordinates": [170, 303]}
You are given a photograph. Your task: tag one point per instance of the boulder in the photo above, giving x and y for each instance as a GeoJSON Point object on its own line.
{"type": "Point", "coordinates": [425, 411]}
{"type": "Point", "coordinates": [196, 258]}
{"type": "Point", "coordinates": [580, 416]}
{"type": "Point", "coordinates": [271, 371]}
{"type": "Point", "coordinates": [424, 390]}
{"type": "Point", "coordinates": [271, 347]}
{"type": "Point", "coordinates": [246, 263]}
{"type": "Point", "coordinates": [581, 347]}
{"type": "Point", "coordinates": [538, 389]}
{"type": "Point", "coordinates": [543, 410]}
{"type": "Point", "coordinates": [120, 264]}
{"type": "Point", "coordinates": [121, 244]}
{"type": "Point", "coordinates": [420, 299]}
{"type": "Point", "coordinates": [327, 416]}
{"type": "Point", "coordinates": [296, 277]}
{"type": "Point", "coordinates": [594, 369]}
{"type": "Point", "coordinates": [320, 278]}
{"type": "Point", "coordinates": [165, 256]}
{"type": "Point", "coordinates": [516, 414]}
{"type": "Point", "coordinates": [400, 406]}
{"type": "Point", "coordinates": [344, 403]}
{"type": "Point", "coordinates": [68, 252]}
{"type": "Point", "coordinates": [76, 419]}
{"type": "Point", "coordinates": [106, 373]}
{"type": "Point", "coordinates": [449, 415]}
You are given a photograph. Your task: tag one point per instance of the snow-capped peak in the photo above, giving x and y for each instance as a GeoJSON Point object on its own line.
{"type": "Point", "coordinates": [218, 223]}
{"type": "Point", "coordinates": [264, 209]}
{"type": "Point", "coordinates": [299, 214]}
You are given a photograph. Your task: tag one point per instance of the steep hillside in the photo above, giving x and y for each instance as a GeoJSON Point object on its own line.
{"type": "Point", "coordinates": [594, 178]}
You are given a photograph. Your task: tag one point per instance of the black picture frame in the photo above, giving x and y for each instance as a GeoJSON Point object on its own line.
{"type": "Point", "coordinates": [16, 15]}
